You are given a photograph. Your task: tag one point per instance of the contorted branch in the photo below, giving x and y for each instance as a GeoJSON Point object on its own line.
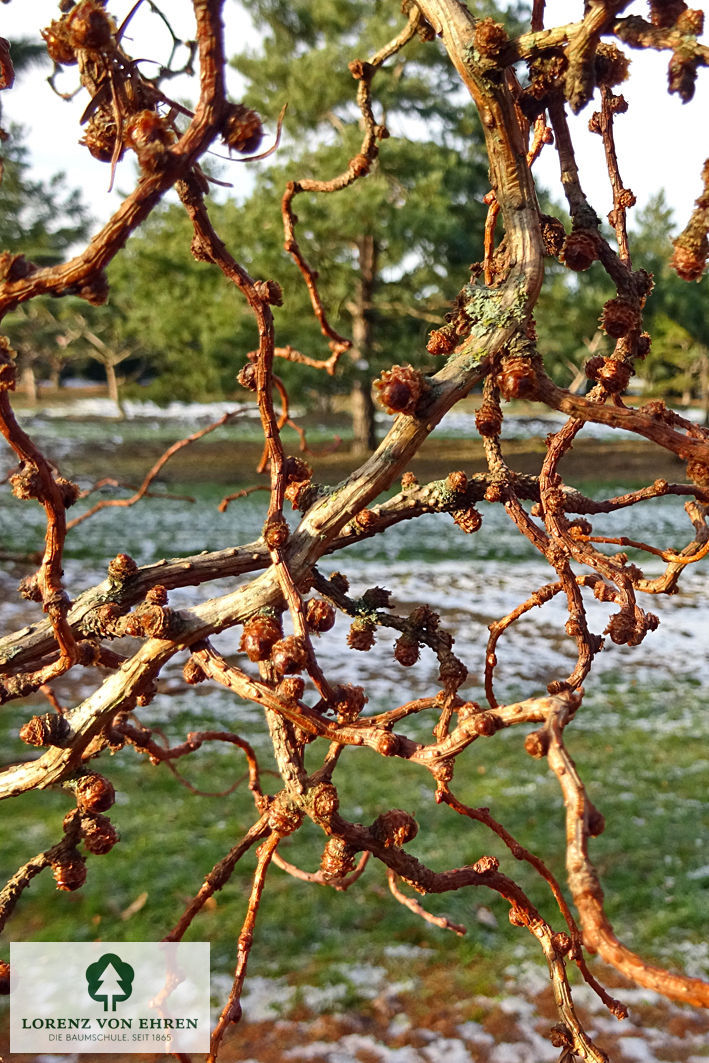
{"type": "Point", "coordinates": [279, 596]}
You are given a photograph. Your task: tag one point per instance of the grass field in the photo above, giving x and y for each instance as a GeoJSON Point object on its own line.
{"type": "Point", "coordinates": [640, 744]}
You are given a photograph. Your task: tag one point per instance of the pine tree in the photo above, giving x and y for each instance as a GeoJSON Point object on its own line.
{"type": "Point", "coordinates": [380, 243]}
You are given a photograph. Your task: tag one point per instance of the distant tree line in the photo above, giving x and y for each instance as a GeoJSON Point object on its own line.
{"type": "Point", "coordinates": [389, 254]}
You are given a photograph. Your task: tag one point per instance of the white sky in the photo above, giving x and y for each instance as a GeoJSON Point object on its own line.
{"type": "Point", "coordinates": [661, 142]}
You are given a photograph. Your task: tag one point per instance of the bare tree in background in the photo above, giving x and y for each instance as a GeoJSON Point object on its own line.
{"type": "Point", "coordinates": [487, 339]}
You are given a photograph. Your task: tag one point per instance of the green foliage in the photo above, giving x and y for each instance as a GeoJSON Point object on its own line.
{"type": "Point", "coordinates": [675, 315]}
{"type": "Point", "coordinates": [182, 314]}
{"type": "Point", "coordinates": [39, 219]}
{"type": "Point", "coordinates": [421, 204]}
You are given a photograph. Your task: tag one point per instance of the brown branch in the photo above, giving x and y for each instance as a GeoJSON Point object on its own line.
{"type": "Point", "coordinates": [417, 908]}
{"type": "Point", "coordinates": [357, 167]}
{"type": "Point", "coordinates": [581, 51]}
{"type": "Point", "coordinates": [80, 272]}
{"type": "Point", "coordinates": [602, 123]}
{"type": "Point", "coordinates": [692, 443]}
{"type": "Point", "coordinates": [162, 461]}
{"type": "Point", "coordinates": [218, 877]}
{"type": "Point", "coordinates": [141, 738]}
{"type": "Point", "coordinates": [586, 889]}
{"type": "Point", "coordinates": [290, 354]}
{"type": "Point", "coordinates": [340, 884]}
{"type": "Point", "coordinates": [231, 1012]}
{"type": "Point", "coordinates": [36, 479]}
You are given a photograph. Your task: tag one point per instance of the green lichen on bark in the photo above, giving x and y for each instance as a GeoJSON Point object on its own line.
{"type": "Point", "coordinates": [490, 308]}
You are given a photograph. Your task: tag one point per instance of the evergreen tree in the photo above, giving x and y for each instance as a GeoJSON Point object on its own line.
{"type": "Point", "coordinates": [676, 313]}
{"type": "Point", "coordinates": [405, 233]}
{"type": "Point", "coordinates": [39, 219]}
{"type": "Point", "coordinates": [401, 237]}
{"type": "Point", "coordinates": [677, 366]}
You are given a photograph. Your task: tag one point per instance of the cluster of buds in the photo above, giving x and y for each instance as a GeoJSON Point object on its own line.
{"type": "Point", "coordinates": [682, 75]}
{"type": "Point", "coordinates": [337, 860]}
{"type": "Point", "coordinates": [149, 134]}
{"type": "Point", "coordinates": [323, 801]}
{"type": "Point", "coordinates": [488, 418]}
{"type": "Point", "coordinates": [15, 267]}
{"type": "Point", "coordinates": [361, 635]}
{"type": "Point", "coordinates": [406, 650]}
{"type": "Point", "coordinates": [291, 689]}
{"type": "Point", "coordinates": [376, 598]}
{"type": "Point", "coordinates": [698, 473]}
{"type": "Point", "coordinates": [284, 817]}
{"type": "Point", "coordinates": [619, 317]}
{"type": "Point", "coordinates": [422, 625]}
{"type": "Point", "coordinates": [553, 234]}
{"type": "Point", "coordinates": [365, 520]}
{"type": "Point", "coordinates": [456, 482]}
{"type": "Point", "coordinates": [468, 519]}
{"type": "Point", "coordinates": [259, 636]}
{"type": "Point", "coordinates": [276, 531]}
{"type": "Point", "coordinates": [546, 76]}
{"type": "Point", "coordinates": [537, 744]}
{"type": "Point", "coordinates": [29, 588]}
{"type": "Point", "coordinates": [630, 626]}
{"type": "Point", "coordinates": [394, 828]}
{"type": "Point", "coordinates": [580, 249]}
{"type": "Point", "coordinates": [242, 130]}
{"type": "Point", "coordinates": [101, 136]}
{"type": "Point", "coordinates": [691, 248]}
{"type": "Point", "coordinates": [49, 729]}
{"type": "Point", "coordinates": [319, 615]}
{"type": "Point", "coordinates": [147, 621]}
{"type": "Point", "coordinates": [613, 373]}
{"type": "Point", "coordinates": [489, 38]}
{"type": "Point", "coordinates": [270, 291]}
{"type": "Point", "coordinates": [121, 568]}
{"type": "Point", "coordinates": [94, 793]}
{"type": "Point", "coordinates": [517, 378]}
{"type": "Point", "coordinates": [451, 671]}
{"type": "Point", "coordinates": [26, 483]}
{"type": "Point", "coordinates": [442, 341]}
{"type": "Point", "coordinates": [247, 376]}
{"type": "Point", "coordinates": [617, 105]}
{"type": "Point", "coordinates": [69, 870]}
{"type": "Point", "coordinates": [349, 702]}
{"type": "Point", "coordinates": [289, 655]}
{"type": "Point", "coordinates": [300, 490]}
{"type": "Point", "coordinates": [95, 830]}
{"type": "Point", "coordinates": [611, 66]}
{"type": "Point", "coordinates": [86, 27]}
{"type": "Point", "coordinates": [400, 389]}
{"type": "Point", "coordinates": [424, 619]}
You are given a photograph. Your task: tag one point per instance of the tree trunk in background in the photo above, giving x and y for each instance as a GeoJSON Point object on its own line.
{"type": "Point", "coordinates": [364, 436]}
{"type": "Point", "coordinates": [704, 384]}
{"type": "Point", "coordinates": [28, 383]}
{"type": "Point", "coordinates": [112, 381]}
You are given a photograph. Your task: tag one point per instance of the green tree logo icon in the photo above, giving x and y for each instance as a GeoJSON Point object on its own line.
{"type": "Point", "coordinates": [109, 980]}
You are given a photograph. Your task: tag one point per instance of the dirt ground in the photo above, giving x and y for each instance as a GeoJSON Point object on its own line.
{"type": "Point", "coordinates": [427, 1025]}
{"type": "Point", "coordinates": [627, 462]}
